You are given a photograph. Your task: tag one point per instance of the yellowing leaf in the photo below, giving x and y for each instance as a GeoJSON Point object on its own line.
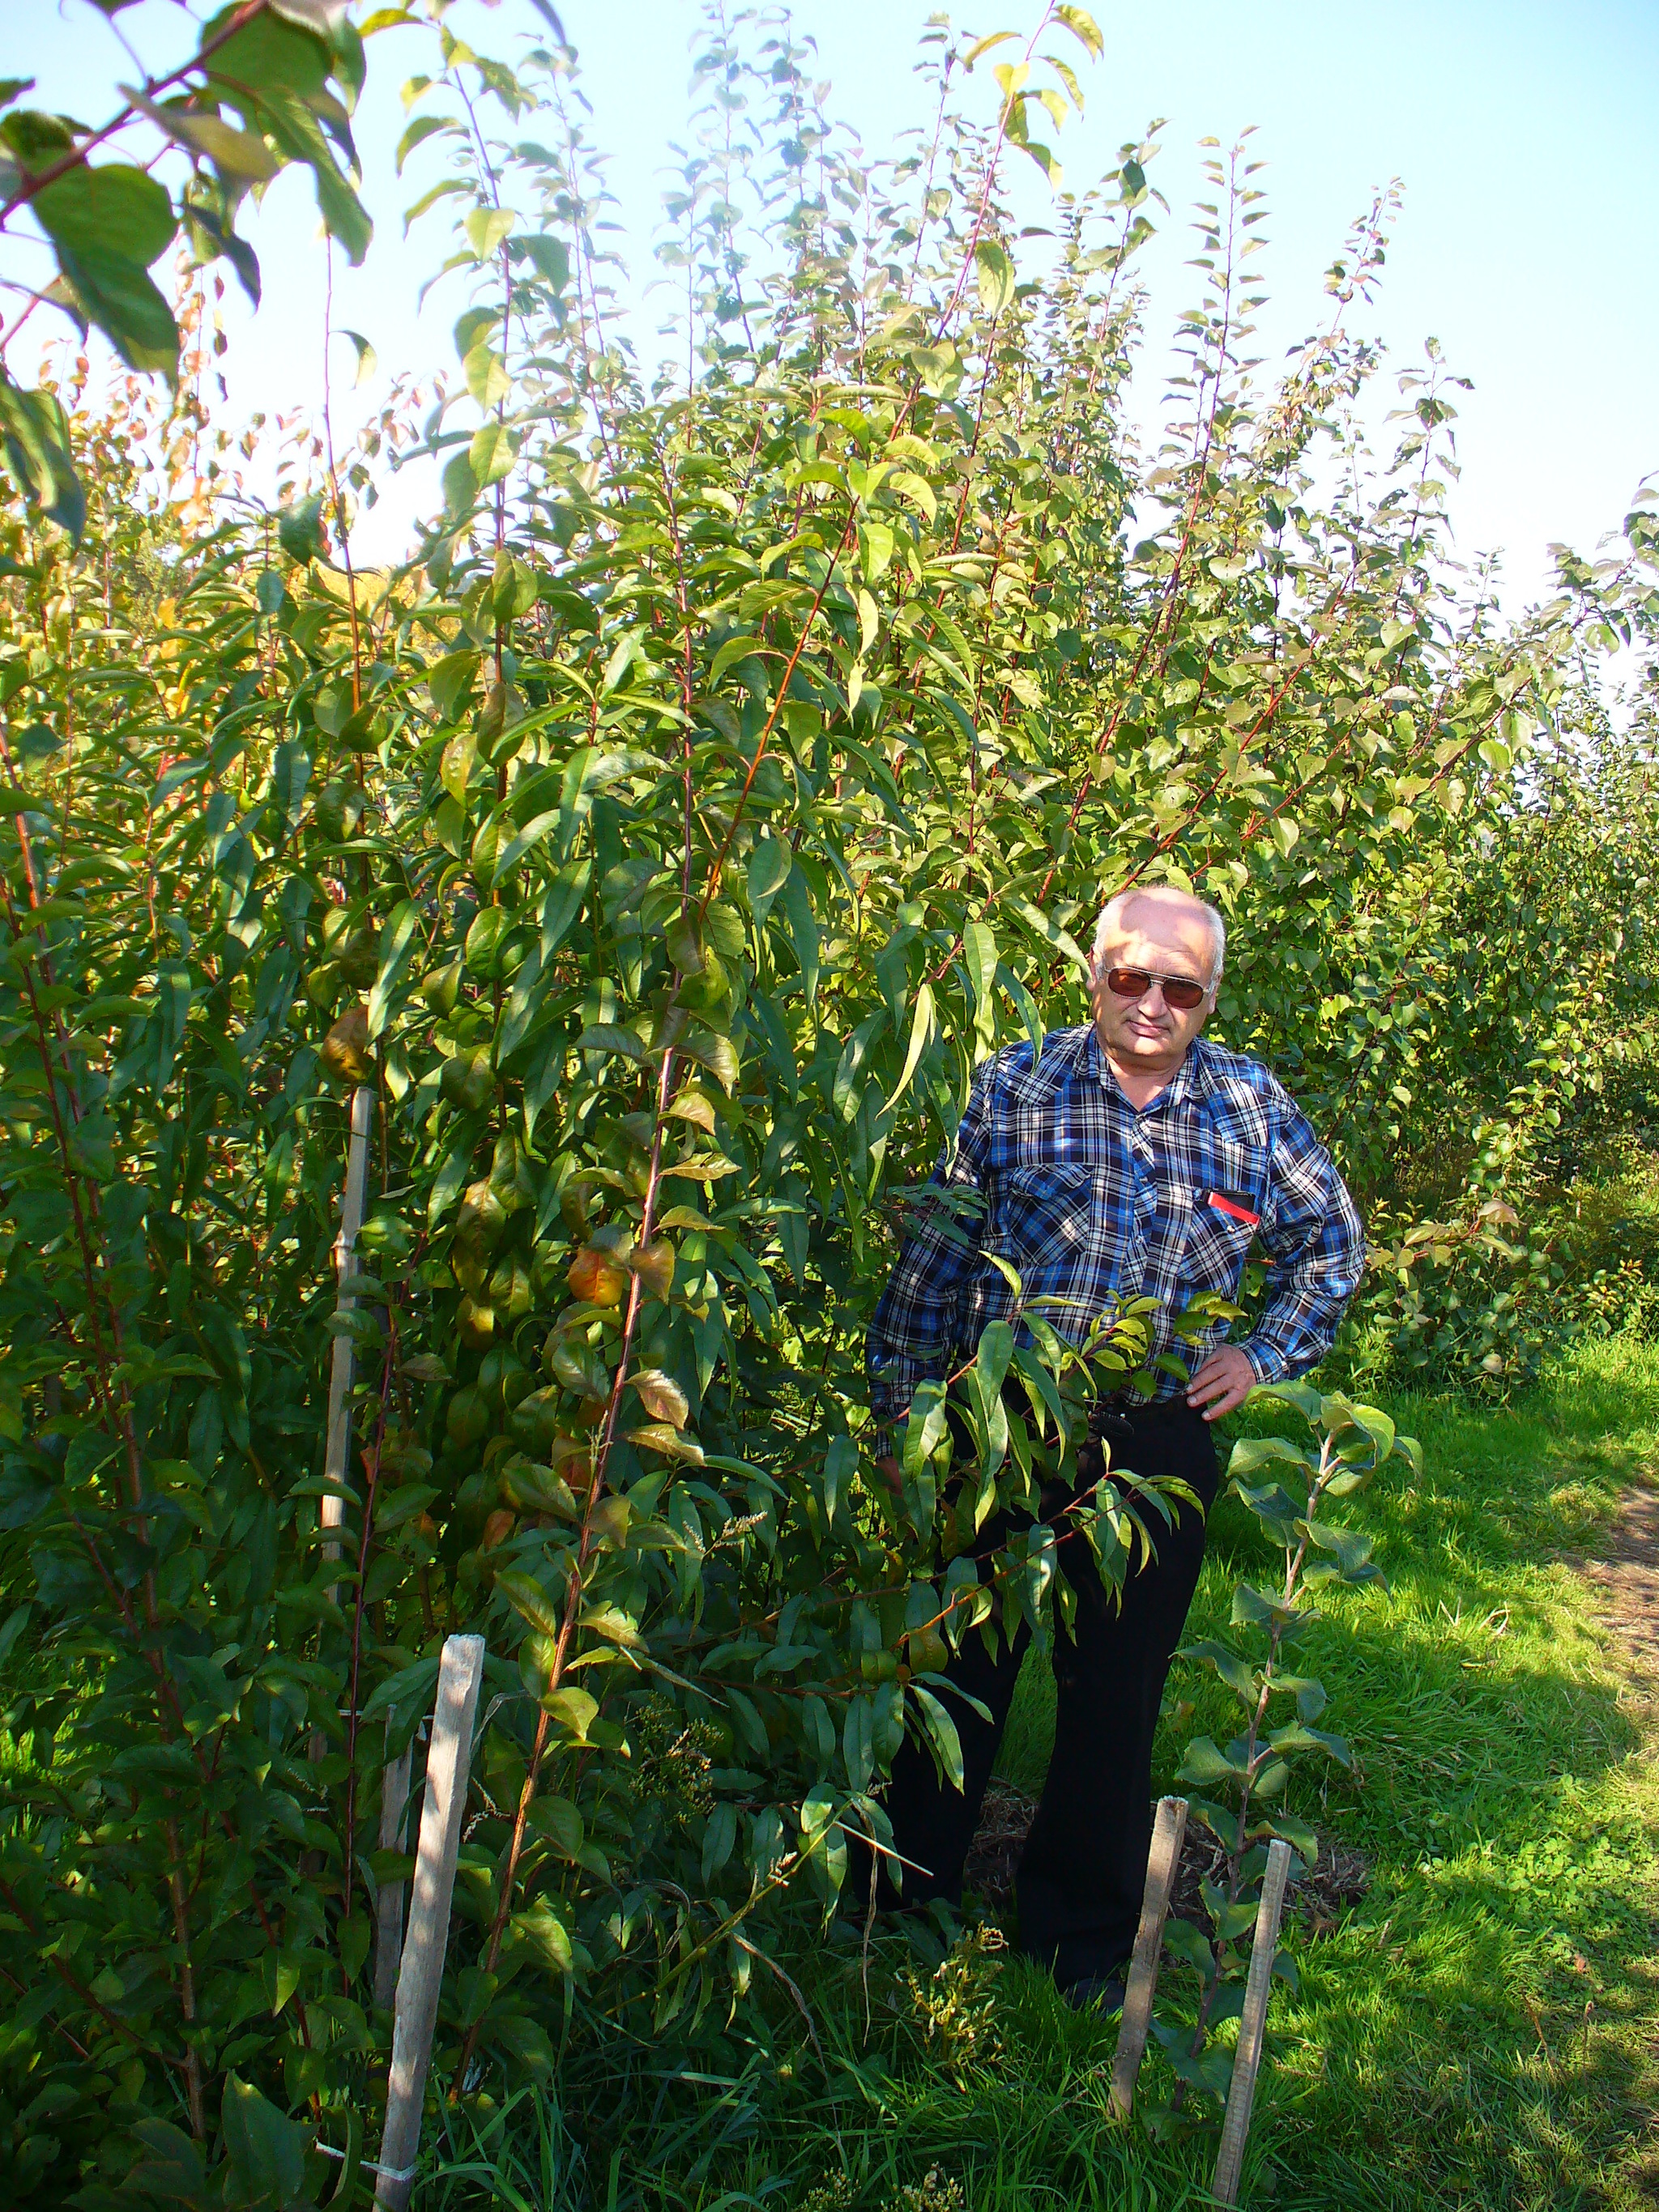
{"type": "Point", "coordinates": [984, 46]}
{"type": "Point", "coordinates": [661, 1437]}
{"type": "Point", "coordinates": [705, 1167]}
{"type": "Point", "coordinates": [1084, 29]}
{"type": "Point", "coordinates": [661, 1397]}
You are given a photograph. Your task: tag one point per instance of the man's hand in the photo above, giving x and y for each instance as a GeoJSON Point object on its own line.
{"type": "Point", "coordinates": [1224, 1382]}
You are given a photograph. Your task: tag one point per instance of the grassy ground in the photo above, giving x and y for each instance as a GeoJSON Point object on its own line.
{"type": "Point", "coordinates": [1482, 2031]}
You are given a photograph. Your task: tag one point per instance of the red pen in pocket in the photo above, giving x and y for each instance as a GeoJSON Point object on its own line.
{"type": "Point", "coordinates": [1235, 1209]}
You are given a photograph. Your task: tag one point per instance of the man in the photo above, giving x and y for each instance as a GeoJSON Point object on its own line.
{"type": "Point", "coordinates": [1131, 1158]}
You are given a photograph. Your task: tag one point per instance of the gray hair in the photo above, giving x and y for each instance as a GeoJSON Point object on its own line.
{"type": "Point", "coordinates": [1116, 907]}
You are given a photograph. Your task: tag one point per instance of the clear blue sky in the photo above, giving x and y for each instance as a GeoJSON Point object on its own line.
{"type": "Point", "coordinates": [1524, 133]}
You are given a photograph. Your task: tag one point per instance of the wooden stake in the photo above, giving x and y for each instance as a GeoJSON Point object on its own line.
{"type": "Point", "coordinates": [1161, 1865]}
{"type": "Point", "coordinates": [337, 1458]}
{"type": "Point", "coordinates": [1252, 2026]}
{"type": "Point", "coordinates": [389, 1898]}
{"type": "Point", "coordinates": [448, 1763]}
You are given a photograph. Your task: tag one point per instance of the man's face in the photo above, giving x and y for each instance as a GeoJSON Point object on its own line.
{"type": "Point", "coordinates": [1147, 1036]}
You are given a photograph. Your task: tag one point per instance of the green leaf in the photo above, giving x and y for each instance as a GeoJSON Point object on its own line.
{"type": "Point", "coordinates": [263, 2148]}
{"type": "Point", "coordinates": [734, 650]}
{"type": "Point", "coordinates": [237, 155]}
{"type": "Point", "coordinates": [397, 942]}
{"type": "Point", "coordinates": [562, 904]}
{"type": "Point", "coordinates": [996, 1349]}
{"type": "Point", "coordinates": [34, 437]}
{"type": "Point", "coordinates": [1236, 1672]}
{"type": "Point", "coordinates": [839, 1462]}
{"type": "Point", "coordinates": [1251, 1453]}
{"type": "Point", "coordinates": [769, 864]}
{"type": "Point", "coordinates": [1274, 1508]}
{"type": "Point", "coordinates": [1295, 1735]}
{"type": "Point", "coordinates": [540, 1930]}
{"type": "Point", "coordinates": [13, 1626]}
{"type": "Point", "coordinates": [300, 530]}
{"type": "Point", "coordinates": [1409, 1449]}
{"type": "Point", "coordinates": [172, 2170]}
{"type": "Point", "coordinates": [575, 1711]}
{"type": "Point", "coordinates": [858, 1743]}
{"type": "Point", "coordinates": [527, 1597]}
{"type": "Point", "coordinates": [368, 358]}
{"type": "Point", "coordinates": [979, 947]}
{"type": "Point", "coordinates": [524, 841]}
{"type": "Point", "coordinates": [719, 1836]}
{"type": "Point", "coordinates": [456, 763]}
{"type": "Point", "coordinates": [941, 1732]}
{"type": "Point", "coordinates": [274, 72]}
{"type": "Point", "coordinates": [1050, 930]}
{"type": "Point", "coordinates": [550, 257]}
{"type": "Point", "coordinates": [1205, 1763]}
{"type": "Point", "coordinates": [606, 1037]}
{"type": "Point", "coordinates": [804, 933]}
{"type": "Point", "coordinates": [1303, 1395]}
{"type": "Point", "coordinates": [921, 1034]}
{"type": "Point", "coordinates": [120, 297]}
{"type": "Point", "coordinates": [486, 374]}
{"type": "Point", "coordinates": [1350, 1548]}
{"type": "Point", "coordinates": [461, 488]}
{"type": "Point", "coordinates": [847, 1091]}
{"type": "Point", "coordinates": [1188, 1943]}
{"type": "Point", "coordinates": [1299, 1835]}
{"type": "Point", "coordinates": [1340, 1413]}
{"type": "Point", "coordinates": [112, 210]}
{"type": "Point", "coordinates": [486, 227]}
{"type": "Point", "coordinates": [422, 128]}
{"type": "Point", "coordinates": [994, 272]}
{"type": "Point", "coordinates": [490, 456]}
{"type": "Point", "coordinates": [715, 1052]}
{"type": "Point", "coordinates": [451, 682]}
{"type": "Point", "coordinates": [924, 1427]}
{"type": "Point", "coordinates": [1254, 1608]}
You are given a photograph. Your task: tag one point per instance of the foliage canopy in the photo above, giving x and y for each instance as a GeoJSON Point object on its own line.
{"type": "Point", "coordinates": [742, 760]}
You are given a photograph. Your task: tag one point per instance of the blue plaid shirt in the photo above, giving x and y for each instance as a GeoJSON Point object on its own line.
{"type": "Point", "coordinates": [1090, 1200]}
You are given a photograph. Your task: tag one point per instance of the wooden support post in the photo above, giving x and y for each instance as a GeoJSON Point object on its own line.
{"type": "Point", "coordinates": [1163, 1864]}
{"type": "Point", "coordinates": [1252, 2026]}
{"type": "Point", "coordinates": [338, 1456]}
{"type": "Point", "coordinates": [448, 1763]}
{"type": "Point", "coordinates": [389, 1898]}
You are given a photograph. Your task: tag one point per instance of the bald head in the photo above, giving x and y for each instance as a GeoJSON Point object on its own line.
{"type": "Point", "coordinates": [1145, 905]}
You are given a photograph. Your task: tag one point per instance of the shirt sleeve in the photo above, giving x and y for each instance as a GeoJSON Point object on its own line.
{"type": "Point", "coordinates": [917, 1325]}
{"type": "Point", "coordinates": [1316, 1247]}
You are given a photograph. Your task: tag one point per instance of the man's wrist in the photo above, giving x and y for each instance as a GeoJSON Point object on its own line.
{"type": "Point", "coordinates": [1266, 1363]}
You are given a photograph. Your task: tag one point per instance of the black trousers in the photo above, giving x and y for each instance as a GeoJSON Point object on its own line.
{"type": "Point", "coordinates": [1081, 1880]}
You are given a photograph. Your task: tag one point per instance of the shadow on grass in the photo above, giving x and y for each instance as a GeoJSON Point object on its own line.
{"type": "Point", "coordinates": [1017, 2123]}
{"type": "Point", "coordinates": [1478, 2033]}
{"type": "Point", "coordinates": [1481, 2031]}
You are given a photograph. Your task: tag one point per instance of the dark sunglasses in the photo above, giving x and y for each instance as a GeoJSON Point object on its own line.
{"type": "Point", "coordinates": [1179, 991]}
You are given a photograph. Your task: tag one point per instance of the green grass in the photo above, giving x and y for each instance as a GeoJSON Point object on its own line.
{"type": "Point", "coordinates": [1481, 2031]}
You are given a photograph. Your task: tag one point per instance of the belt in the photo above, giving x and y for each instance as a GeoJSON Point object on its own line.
{"type": "Point", "coordinates": [1117, 1418]}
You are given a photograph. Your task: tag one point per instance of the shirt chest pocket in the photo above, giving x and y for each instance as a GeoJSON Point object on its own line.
{"type": "Point", "coordinates": [1047, 1215]}
{"type": "Point", "coordinates": [1218, 1238]}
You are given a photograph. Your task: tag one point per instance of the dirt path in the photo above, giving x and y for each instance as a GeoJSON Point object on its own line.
{"type": "Point", "coordinates": [1625, 1571]}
